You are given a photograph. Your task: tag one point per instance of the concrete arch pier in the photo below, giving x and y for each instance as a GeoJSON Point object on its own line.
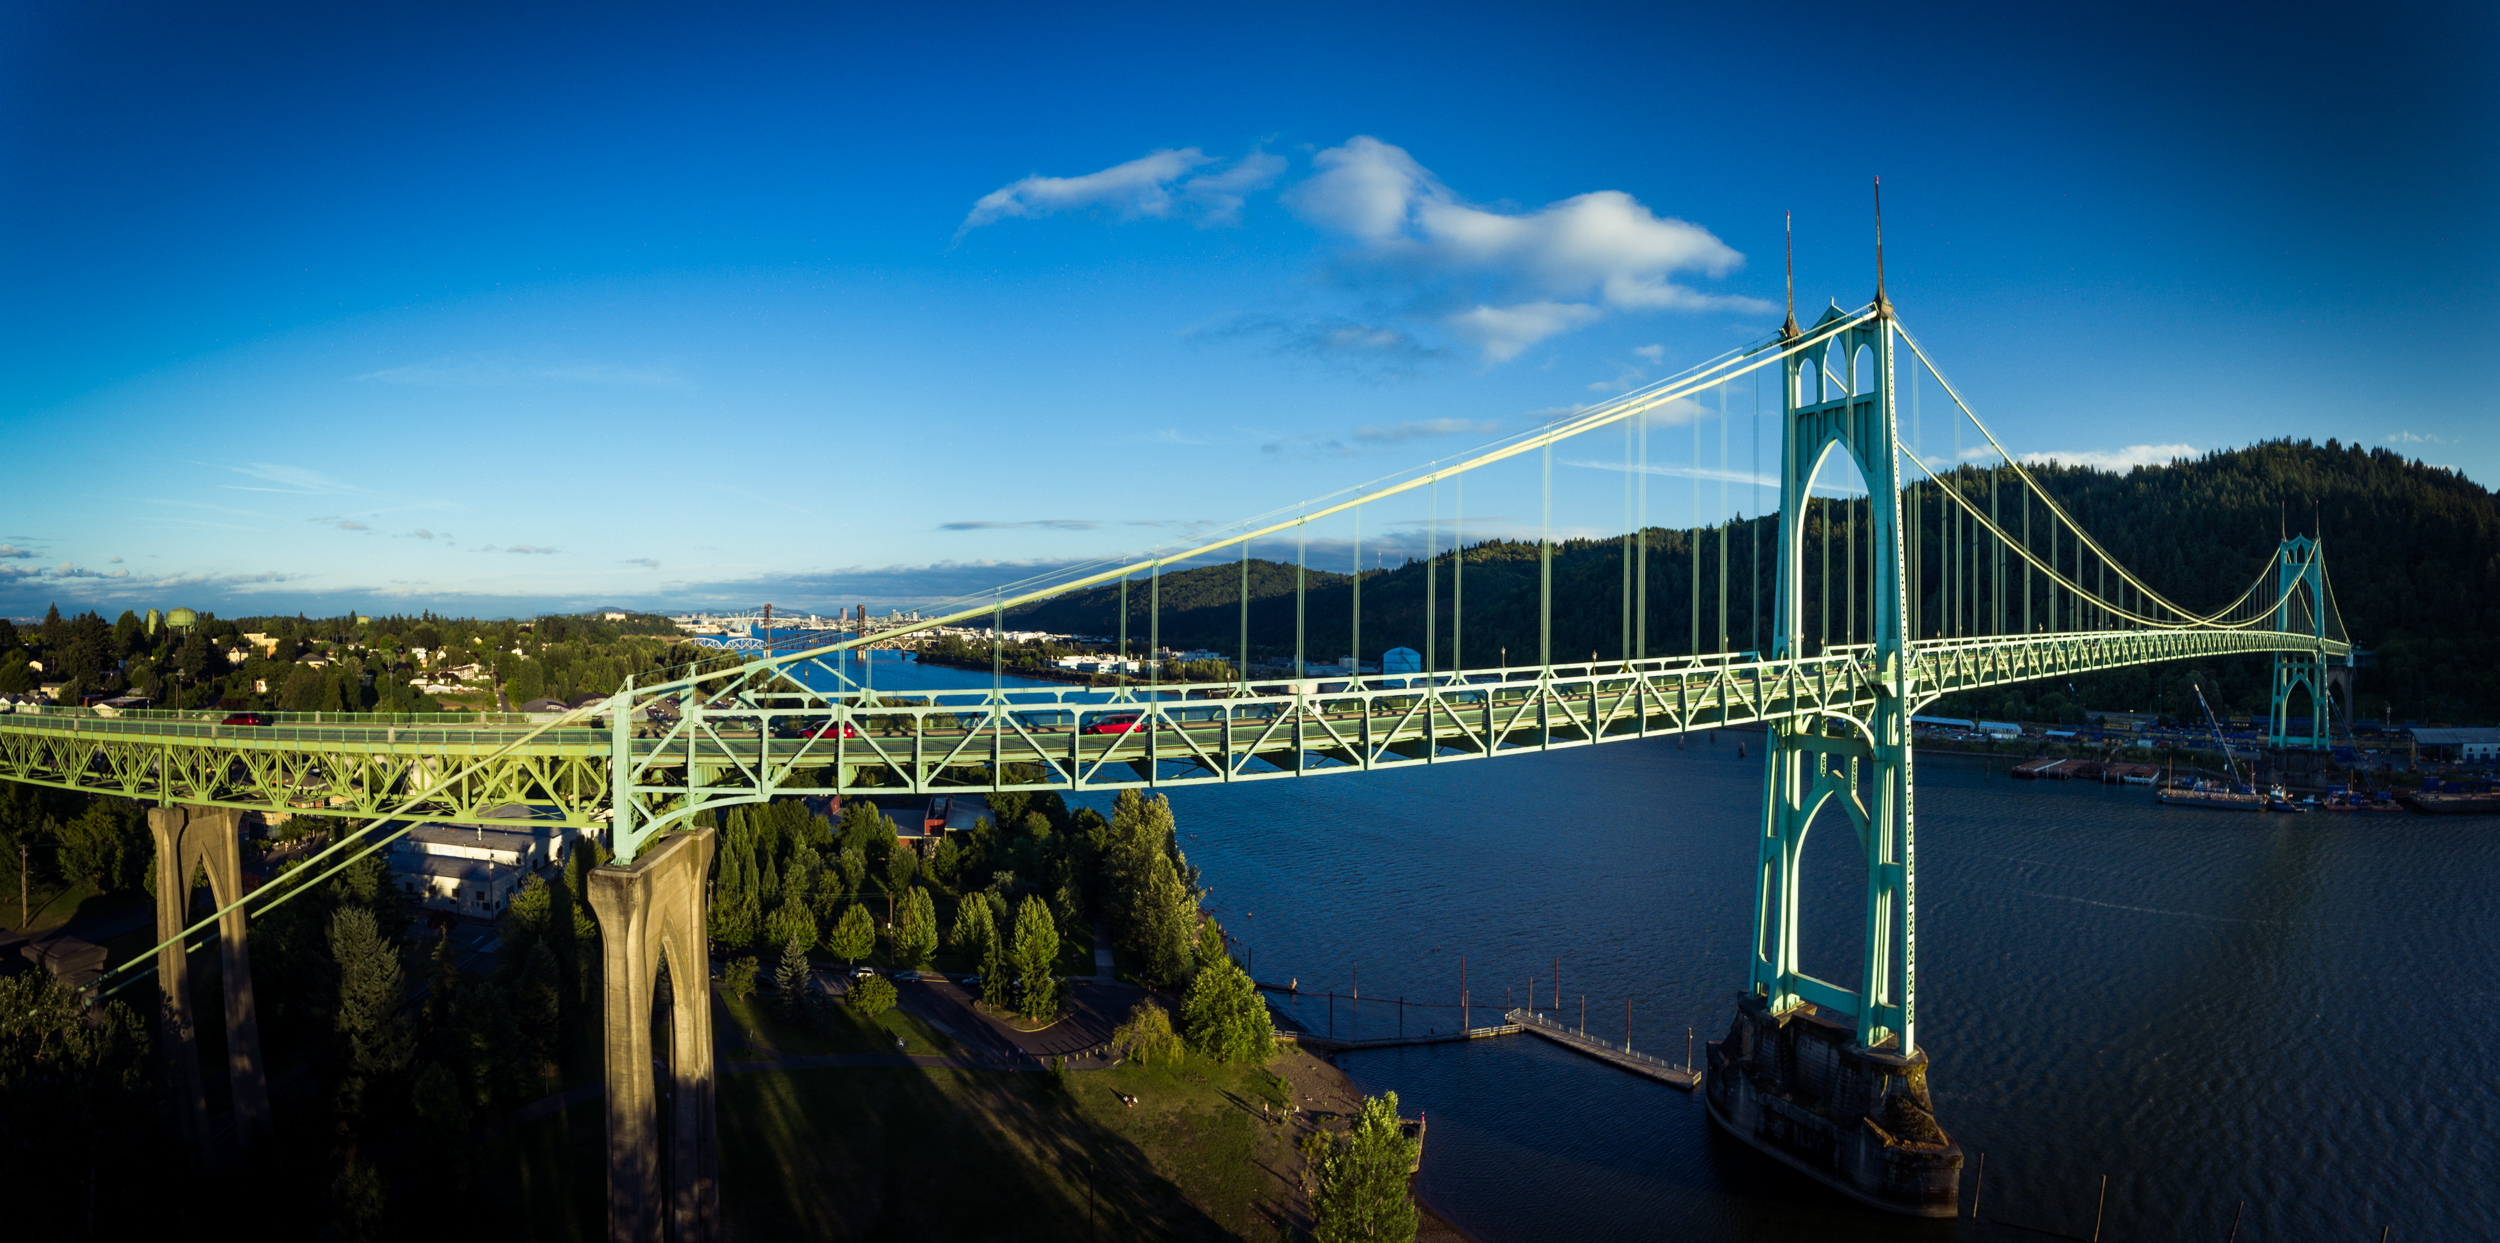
{"type": "Point", "coordinates": [651, 913]}
{"type": "Point", "coordinates": [189, 839]}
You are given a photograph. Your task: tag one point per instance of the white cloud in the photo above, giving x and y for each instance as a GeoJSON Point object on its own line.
{"type": "Point", "coordinates": [2418, 438]}
{"type": "Point", "coordinates": [1155, 185]}
{"type": "Point", "coordinates": [2116, 459]}
{"type": "Point", "coordinates": [1652, 354]}
{"type": "Point", "coordinates": [1532, 274]}
{"type": "Point", "coordinates": [14, 552]}
{"type": "Point", "coordinates": [530, 550]}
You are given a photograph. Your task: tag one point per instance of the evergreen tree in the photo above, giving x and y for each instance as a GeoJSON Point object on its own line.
{"type": "Point", "coordinates": [916, 929]}
{"type": "Point", "coordinates": [1364, 1173]}
{"type": "Point", "coordinates": [974, 933]}
{"type": "Point", "coordinates": [1036, 952]}
{"type": "Point", "coordinates": [537, 1005]}
{"type": "Point", "coordinates": [793, 923]}
{"type": "Point", "coordinates": [370, 988]}
{"type": "Point", "coordinates": [790, 981]}
{"type": "Point", "coordinates": [1153, 913]}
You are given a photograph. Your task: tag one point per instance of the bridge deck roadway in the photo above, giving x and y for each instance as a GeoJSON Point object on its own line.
{"type": "Point", "coordinates": [758, 739]}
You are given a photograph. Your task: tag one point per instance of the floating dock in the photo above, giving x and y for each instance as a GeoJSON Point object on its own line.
{"type": "Point", "coordinates": [1617, 1056]}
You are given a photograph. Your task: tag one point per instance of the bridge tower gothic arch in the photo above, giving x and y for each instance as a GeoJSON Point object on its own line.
{"type": "Point", "coordinates": [663, 1173]}
{"type": "Point", "coordinates": [1822, 1076]}
{"type": "Point", "coordinates": [2300, 587]}
{"type": "Point", "coordinates": [190, 840]}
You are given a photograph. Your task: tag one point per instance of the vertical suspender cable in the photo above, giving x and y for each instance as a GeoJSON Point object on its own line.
{"type": "Point", "coordinates": [1640, 570]}
{"type": "Point", "coordinates": [1545, 569]}
{"type": "Point", "coordinates": [1357, 671]}
{"type": "Point", "coordinates": [1849, 558]}
{"type": "Point", "coordinates": [1154, 618]}
{"type": "Point", "coordinates": [1695, 534]}
{"type": "Point", "coordinates": [1432, 585]}
{"type": "Point", "coordinates": [1458, 572]}
{"type": "Point", "coordinates": [1301, 570]}
{"type": "Point", "coordinates": [1124, 630]}
{"type": "Point", "coordinates": [1755, 607]}
{"type": "Point", "coordinates": [1244, 671]}
{"type": "Point", "coordinates": [1623, 644]}
{"type": "Point", "coordinates": [1723, 518]}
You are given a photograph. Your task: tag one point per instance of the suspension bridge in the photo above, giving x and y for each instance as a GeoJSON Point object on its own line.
{"type": "Point", "coordinates": [1958, 574]}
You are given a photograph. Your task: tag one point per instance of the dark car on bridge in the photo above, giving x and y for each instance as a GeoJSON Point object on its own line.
{"type": "Point", "coordinates": [246, 718]}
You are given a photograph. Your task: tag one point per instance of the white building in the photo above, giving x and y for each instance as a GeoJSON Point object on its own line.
{"type": "Point", "coordinates": [475, 869]}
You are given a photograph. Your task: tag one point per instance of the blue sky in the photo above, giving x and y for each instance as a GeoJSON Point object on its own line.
{"type": "Point", "coordinates": [501, 309]}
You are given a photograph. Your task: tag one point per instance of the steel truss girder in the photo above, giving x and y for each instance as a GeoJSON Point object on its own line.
{"type": "Point", "coordinates": [965, 742]}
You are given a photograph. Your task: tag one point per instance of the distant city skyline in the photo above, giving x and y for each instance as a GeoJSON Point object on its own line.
{"type": "Point", "coordinates": [321, 311]}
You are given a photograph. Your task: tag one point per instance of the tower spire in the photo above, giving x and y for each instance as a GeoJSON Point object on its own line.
{"type": "Point", "coordinates": [1788, 222]}
{"type": "Point", "coordinates": [1883, 305]}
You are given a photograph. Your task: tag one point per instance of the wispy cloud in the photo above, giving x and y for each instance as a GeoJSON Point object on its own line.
{"type": "Point", "coordinates": [1704, 473]}
{"type": "Point", "coordinates": [1507, 280]}
{"type": "Point", "coordinates": [1157, 185]}
{"type": "Point", "coordinates": [13, 552]}
{"type": "Point", "coordinates": [2112, 459]}
{"type": "Point", "coordinates": [293, 480]}
{"type": "Point", "coordinates": [1359, 346]}
{"type": "Point", "coordinates": [1419, 429]}
{"type": "Point", "coordinates": [1378, 437]}
{"type": "Point", "coordinates": [1046, 524]}
{"type": "Point", "coordinates": [647, 563]}
{"type": "Point", "coordinates": [2418, 438]}
{"type": "Point", "coordinates": [531, 550]}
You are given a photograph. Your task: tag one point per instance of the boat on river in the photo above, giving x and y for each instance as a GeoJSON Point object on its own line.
{"type": "Point", "coordinates": [2210, 796]}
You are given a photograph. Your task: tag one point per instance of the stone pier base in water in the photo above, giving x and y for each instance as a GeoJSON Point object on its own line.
{"type": "Point", "coordinates": [1798, 1086]}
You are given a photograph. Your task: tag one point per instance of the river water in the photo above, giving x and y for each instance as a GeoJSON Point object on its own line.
{"type": "Point", "coordinates": [2204, 1007]}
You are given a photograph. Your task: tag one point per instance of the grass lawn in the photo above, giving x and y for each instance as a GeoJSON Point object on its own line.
{"type": "Point", "coordinates": [918, 1154]}
{"type": "Point", "coordinates": [753, 1021]}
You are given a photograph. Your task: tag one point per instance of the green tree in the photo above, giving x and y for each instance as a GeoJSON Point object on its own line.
{"type": "Point", "coordinates": [1364, 1173]}
{"type": "Point", "coordinates": [1036, 951]}
{"type": "Point", "coordinates": [854, 936]}
{"type": "Point", "coordinates": [371, 987]}
{"type": "Point", "coordinates": [1146, 1035]}
{"type": "Point", "coordinates": [872, 996]}
{"type": "Point", "coordinates": [916, 929]}
{"type": "Point", "coordinates": [1152, 911]}
{"type": "Point", "coordinates": [790, 981]}
{"type": "Point", "coordinates": [974, 934]}
{"type": "Point", "coordinates": [537, 1005]}
{"type": "Point", "coordinates": [1225, 1017]}
{"type": "Point", "coordinates": [738, 978]}
{"type": "Point", "coordinates": [106, 846]}
{"type": "Point", "coordinates": [78, 1095]}
{"type": "Point", "coordinates": [793, 922]}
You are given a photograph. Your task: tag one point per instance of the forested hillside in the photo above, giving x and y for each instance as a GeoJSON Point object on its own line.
{"type": "Point", "coordinates": [2413, 552]}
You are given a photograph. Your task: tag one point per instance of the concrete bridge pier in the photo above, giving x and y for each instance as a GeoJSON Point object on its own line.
{"type": "Point", "coordinates": [189, 839]}
{"type": "Point", "coordinates": [662, 1179]}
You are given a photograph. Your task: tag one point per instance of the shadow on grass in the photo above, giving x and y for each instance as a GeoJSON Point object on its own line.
{"type": "Point", "coordinates": [877, 1153]}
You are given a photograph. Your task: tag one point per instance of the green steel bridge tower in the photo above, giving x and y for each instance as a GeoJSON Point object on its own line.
{"type": "Point", "coordinates": [1973, 577]}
